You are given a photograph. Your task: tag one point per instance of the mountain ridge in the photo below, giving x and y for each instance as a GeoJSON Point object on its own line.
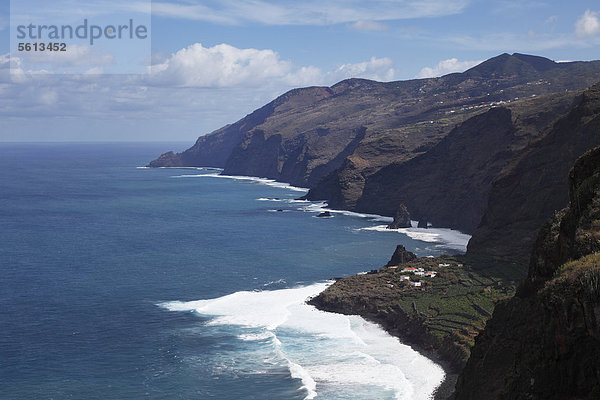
{"type": "Point", "coordinates": [452, 154]}
{"type": "Point", "coordinates": [344, 142]}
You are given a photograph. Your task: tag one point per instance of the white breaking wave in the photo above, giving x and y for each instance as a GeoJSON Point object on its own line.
{"type": "Point", "coordinates": [196, 168]}
{"type": "Point", "coordinates": [277, 282]}
{"type": "Point", "coordinates": [254, 337]}
{"type": "Point", "coordinates": [446, 237]}
{"type": "Point", "coordinates": [264, 181]}
{"type": "Point", "coordinates": [321, 206]}
{"type": "Point", "coordinates": [330, 354]}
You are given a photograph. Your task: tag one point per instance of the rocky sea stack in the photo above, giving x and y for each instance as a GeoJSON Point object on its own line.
{"type": "Point", "coordinates": [401, 218]}
{"type": "Point", "coordinates": [401, 256]}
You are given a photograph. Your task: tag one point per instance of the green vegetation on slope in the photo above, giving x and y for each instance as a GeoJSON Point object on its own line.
{"type": "Point", "coordinates": [444, 314]}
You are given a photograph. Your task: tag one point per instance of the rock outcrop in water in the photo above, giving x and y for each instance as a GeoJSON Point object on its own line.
{"type": "Point", "coordinates": [545, 342]}
{"type": "Point", "coordinates": [401, 256]}
{"type": "Point", "coordinates": [401, 218]}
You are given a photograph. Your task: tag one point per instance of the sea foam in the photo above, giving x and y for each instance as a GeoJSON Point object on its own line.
{"type": "Point", "coordinates": [263, 181]}
{"type": "Point", "coordinates": [321, 206]}
{"type": "Point", "coordinates": [331, 355]}
{"type": "Point", "coordinates": [447, 238]}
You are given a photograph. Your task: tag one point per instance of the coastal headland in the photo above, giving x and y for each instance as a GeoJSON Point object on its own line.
{"type": "Point", "coordinates": [488, 152]}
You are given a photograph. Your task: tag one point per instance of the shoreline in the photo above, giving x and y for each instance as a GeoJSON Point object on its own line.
{"type": "Point", "coordinates": [450, 368]}
{"type": "Point", "coordinates": [451, 372]}
{"type": "Point", "coordinates": [439, 318]}
{"type": "Point", "coordinates": [288, 305]}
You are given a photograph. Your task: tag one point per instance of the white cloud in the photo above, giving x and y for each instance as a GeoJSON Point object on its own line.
{"type": "Point", "coordinates": [69, 11]}
{"type": "Point", "coordinates": [74, 56]}
{"type": "Point", "coordinates": [378, 69]}
{"type": "Point", "coordinates": [512, 42]}
{"type": "Point", "coordinates": [446, 67]}
{"type": "Point", "coordinates": [227, 66]}
{"type": "Point", "coordinates": [11, 70]}
{"type": "Point", "coordinates": [368, 25]}
{"type": "Point", "coordinates": [552, 19]}
{"type": "Point", "coordinates": [194, 91]}
{"type": "Point", "coordinates": [304, 76]}
{"type": "Point", "coordinates": [190, 11]}
{"type": "Point", "coordinates": [308, 12]}
{"type": "Point", "coordinates": [588, 24]}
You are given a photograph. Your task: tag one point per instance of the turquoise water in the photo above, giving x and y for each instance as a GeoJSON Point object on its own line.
{"type": "Point", "coordinates": [126, 283]}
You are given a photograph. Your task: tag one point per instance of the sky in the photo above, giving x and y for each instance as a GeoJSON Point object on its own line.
{"type": "Point", "coordinates": [208, 63]}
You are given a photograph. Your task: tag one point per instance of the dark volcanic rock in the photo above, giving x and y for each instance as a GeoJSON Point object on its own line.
{"type": "Point", "coordinates": [169, 159]}
{"type": "Point", "coordinates": [423, 224]}
{"type": "Point", "coordinates": [401, 256]}
{"type": "Point", "coordinates": [324, 214]}
{"type": "Point", "coordinates": [531, 188]}
{"type": "Point", "coordinates": [216, 149]}
{"type": "Point", "coordinates": [401, 219]}
{"type": "Point", "coordinates": [449, 184]}
{"type": "Point", "coordinates": [359, 126]}
{"type": "Point", "coordinates": [545, 342]}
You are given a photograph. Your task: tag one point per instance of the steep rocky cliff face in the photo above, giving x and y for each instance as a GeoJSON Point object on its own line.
{"type": "Point", "coordinates": [529, 190]}
{"type": "Point", "coordinates": [545, 342]}
{"type": "Point", "coordinates": [449, 184]}
{"type": "Point", "coordinates": [215, 149]}
{"type": "Point", "coordinates": [359, 126]}
{"type": "Point", "coordinates": [434, 145]}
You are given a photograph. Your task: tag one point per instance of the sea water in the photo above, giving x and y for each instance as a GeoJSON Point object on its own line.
{"type": "Point", "coordinates": [120, 282]}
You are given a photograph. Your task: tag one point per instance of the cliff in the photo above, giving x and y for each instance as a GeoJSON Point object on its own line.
{"type": "Point", "coordinates": [449, 185]}
{"type": "Point", "coordinates": [530, 188]}
{"type": "Point", "coordinates": [485, 151]}
{"type": "Point", "coordinates": [441, 316]}
{"type": "Point", "coordinates": [359, 126]}
{"type": "Point", "coordinates": [214, 150]}
{"type": "Point", "coordinates": [545, 342]}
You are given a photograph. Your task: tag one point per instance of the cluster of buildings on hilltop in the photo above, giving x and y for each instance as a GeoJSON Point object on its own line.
{"type": "Point", "coordinates": [419, 272]}
{"type": "Point", "coordinates": [415, 271]}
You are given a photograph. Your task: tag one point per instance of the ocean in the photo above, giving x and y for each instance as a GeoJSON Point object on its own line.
{"type": "Point", "coordinates": [121, 282]}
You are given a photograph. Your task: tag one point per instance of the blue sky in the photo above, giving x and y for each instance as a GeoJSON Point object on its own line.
{"type": "Point", "coordinates": [216, 61]}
